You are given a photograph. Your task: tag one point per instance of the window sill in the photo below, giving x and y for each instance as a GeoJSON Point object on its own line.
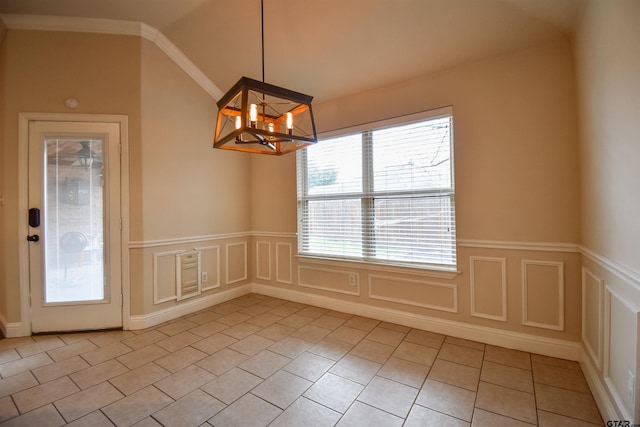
{"type": "Point", "coordinates": [430, 271]}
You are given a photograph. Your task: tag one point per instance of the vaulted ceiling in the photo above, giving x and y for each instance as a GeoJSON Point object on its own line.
{"type": "Point", "coordinates": [331, 48]}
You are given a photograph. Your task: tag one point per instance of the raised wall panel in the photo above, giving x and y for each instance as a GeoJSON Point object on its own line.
{"type": "Point", "coordinates": [263, 260]}
{"type": "Point", "coordinates": [236, 262]}
{"type": "Point", "coordinates": [344, 282]}
{"type": "Point", "coordinates": [164, 276]}
{"type": "Point", "coordinates": [210, 264]}
{"type": "Point", "coordinates": [543, 294]}
{"type": "Point", "coordinates": [621, 350]}
{"type": "Point", "coordinates": [436, 296]}
{"type": "Point", "coordinates": [592, 315]}
{"type": "Point", "coordinates": [284, 265]}
{"type": "Point", "coordinates": [488, 287]}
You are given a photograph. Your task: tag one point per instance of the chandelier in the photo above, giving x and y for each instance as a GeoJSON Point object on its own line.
{"type": "Point", "coordinates": [258, 117]}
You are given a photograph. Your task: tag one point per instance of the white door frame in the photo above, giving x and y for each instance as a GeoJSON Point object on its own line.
{"type": "Point", "coordinates": [23, 206]}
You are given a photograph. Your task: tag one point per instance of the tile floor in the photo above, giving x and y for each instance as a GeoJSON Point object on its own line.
{"type": "Point", "coordinates": [257, 361]}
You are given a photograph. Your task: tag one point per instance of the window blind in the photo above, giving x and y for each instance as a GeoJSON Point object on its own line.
{"type": "Point", "coordinates": [383, 193]}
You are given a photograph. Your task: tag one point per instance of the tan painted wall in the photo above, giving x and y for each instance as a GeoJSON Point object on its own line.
{"type": "Point", "coordinates": [43, 69]}
{"type": "Point", "coordinates": [3, 237]}
{"type": "Point", "coordinates": [517, 180]}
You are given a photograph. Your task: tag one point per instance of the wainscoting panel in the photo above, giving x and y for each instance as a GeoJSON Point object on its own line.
{"type": "Point", "coordinates": [543, 294]}
{"type": "Point", "coordinates": [164, 276]}
{"type": "Point", "coordinates": [263, 260]}
{"type": "Point", "coordinates": [210, 262]}
{"type": "Point", "coordinates": [488, 287]}
{"type": "Point", "coordinates": [592, 315]}
{"type": "Point", "coordinates": [437, 296]}
{"type": "Point", "coordinates": [236, 262]}
{"type": "Point", "coordinates": [284, 265]}
{"type": "Point", "coordinates": [343, 282]}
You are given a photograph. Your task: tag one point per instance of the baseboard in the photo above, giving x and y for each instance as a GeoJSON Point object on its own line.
{"type": "Point", "coordinates": [10, 330]}
{"type": "Point", "coordinates": [186, 308]}
{"type": "Point", "coordinates": [563, 349]}
{"type": "Point", "coordinates": [606, 405]}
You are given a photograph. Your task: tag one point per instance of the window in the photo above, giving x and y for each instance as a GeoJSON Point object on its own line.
{"type": "Point", "coordinates": [381, 193]}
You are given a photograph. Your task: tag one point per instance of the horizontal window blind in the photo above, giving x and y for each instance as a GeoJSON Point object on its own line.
{"type": "Point", "coordinates": [382, 194]}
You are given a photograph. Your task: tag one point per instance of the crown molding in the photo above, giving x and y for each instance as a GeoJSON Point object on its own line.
{"type": "Point", "coordinates": [112, 26]}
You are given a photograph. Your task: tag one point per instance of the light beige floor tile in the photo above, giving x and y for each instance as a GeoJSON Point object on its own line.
{"type": "Point", "coordinates": [465, 343]}
{"type": "Point", "coordinates": [309, 366]}
{"type": "Point", "coordinates": [394, 327]}
{"type": "Point", "coordinates": [362, 415]}
{"type": "Point", "coordinates": [290, 347]}
{"type": "Point", "coordinates": [147, 338]}
{"type": "Point", "coordinates": [505, 356]}
{"type": "Point", "coordinates": [313, 312]}
{"type": "Point", "coordinates": [425, 417]}
{"type": "Point", "coordinates": [263, 320]}
{"type": "Point", "coordinates": [139, 378]}
{"type": "Point", "coordinates": [566, 402]}
{"type": "Point", "coordinates": [232, 385]}
{"type": "Point", "coordinates": [405, 372]}
{"type": "Point", "coordinates": [251, 345]}
{"type": "Point", "coordinates": [98, 373]}
{"type": "Point", "coordinates": [227, 308]}
{"type": "Point", "coordinates": [233, 318]}
{"type": "Point", "coordinates": [180, 359]}
{"type": "Point", "coordinates": [334, 392]}
{"type": "Point", "coordinates": [16, 367]}
{"type": "Point", "coordinates": [17, 383]}
{"type": "Point", "coordinates": [416, 353]}
{"type": "Point", "coordinates": [385, 336]}
{"type": "Point", "coordinates": [246, 411]}
{"type": "Point", "coordinates": [207, 329]}
{"type": "Point", "coordinates": [311, 333]}
{"type": "Point", "coordinates": [139, 405]}
{"type": "Point", "coordinates": [426, 338]}
{"type": "Point", "coordinates": [8, 355]}
{"type": "Point", "coordinates": [177, 327]}
{"type": "Point", "coordinates": [89, 400]}
{"type": "Point", "coordinates": [276, 332]}
{"type": "Point", "coordinates": [389, 396]}
{"type": "Point", "coordinates": [205, 316]}
{"type": "Point", "coordinates": [104, 353]}
{"type": "Point", "coordinates": [43, 344]}
{"type": "Point", "coordinates": [356, 369]}
{"type": "Point", "coordinates": [482, 418]}
{"type": "Point", "coordinates": [349, 335]}
{"type": "Point", "coordinates": [363, 323]}
{"type": "Point", "coordinates": [547, 419]}
{"type": "Point", "coordinates": [264, 364]}
{"type": "Point", "coordinates": [331, 348]}
{"type": "Point", "coordinates": [178, 341]}
{"type": "Point", "coordinates": [304, 412]}
{"type": "Point", "coordinates": [560, 363]}
{"type": "Point", "coordinates": [13, 343]}
{"type": "Point", "coordinates": [282, 389]}
{"type": "Point", "coordinates": [570, 379]}
{"type": "Point", "coordinates": [508, 402]}
{"type": "Point", "coordinates": [373, 351]}
{"type": "Point", "coordinates": [104, 339]}
{"type": "Point", "coordinates": [222, 361]}
{"type": "Point", "coordinates": [455, 374]}
{"type": "Point", "coordinates": [214, 343]}
{"type": "Point", "coordinates": [296, 320]}
{"type": "Point", "coordinates": [328, 322]}
{"type": "Point", "coordinates": [70, 338]}
{"type": "Point", "coordinates": [94, 419]}
{"type": "Point", "coordinates": [59, 369]}
{"type": "Point", "coordinates": [284, 310]}
{"type": "Point", "coordinates": [142, 356]}
{"type": "Point", "coordinates": [47, 416]}
{"type": "Point", "coordinates": [462, 355]}
{"type": "Point", "coordinates": [41, 395]}
{"type": "Point", "coordinates": [184, 381]}
{"type": "Point", "coordinates": [447, 399]}
{"type": "Point", "coordinates": [507, 376]}
{"type": "Point", "coordinates": [8, 409]}
{"type": "Point", "coordinates": [255, 310]}
{"type": "Point", "coordinates": [71, 350]}
{"type": "Point", "coordinates": [191, 410]}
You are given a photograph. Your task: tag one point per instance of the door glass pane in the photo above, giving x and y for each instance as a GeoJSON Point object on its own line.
{"type": "Point", "coordinates": [74, 226]}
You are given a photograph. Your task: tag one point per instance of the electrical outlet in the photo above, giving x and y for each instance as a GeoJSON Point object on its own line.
{"type": "Point", "coordinates": [204, 277]}
{"type": "Point", "coordinates": [630, 383]}
{"type": "Point", "coordinates": [352, 280]}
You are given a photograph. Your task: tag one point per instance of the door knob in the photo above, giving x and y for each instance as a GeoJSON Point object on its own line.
{"type": "Point", "coordinates": [34, 238]}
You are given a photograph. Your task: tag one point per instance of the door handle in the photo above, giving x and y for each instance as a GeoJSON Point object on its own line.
{"type": "Point", "coordinates": [34, 238]}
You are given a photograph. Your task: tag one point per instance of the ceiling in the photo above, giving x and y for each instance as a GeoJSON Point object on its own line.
{"type": "Point", "coordinates": [331, 48]}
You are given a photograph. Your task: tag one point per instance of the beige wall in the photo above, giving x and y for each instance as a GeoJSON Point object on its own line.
{"type": "Point", "coordinates": [608, 67]}
{"type": "Point", "coordinates": [517, 183]}
{"type": "Point", "coordinates": [3, 237]}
